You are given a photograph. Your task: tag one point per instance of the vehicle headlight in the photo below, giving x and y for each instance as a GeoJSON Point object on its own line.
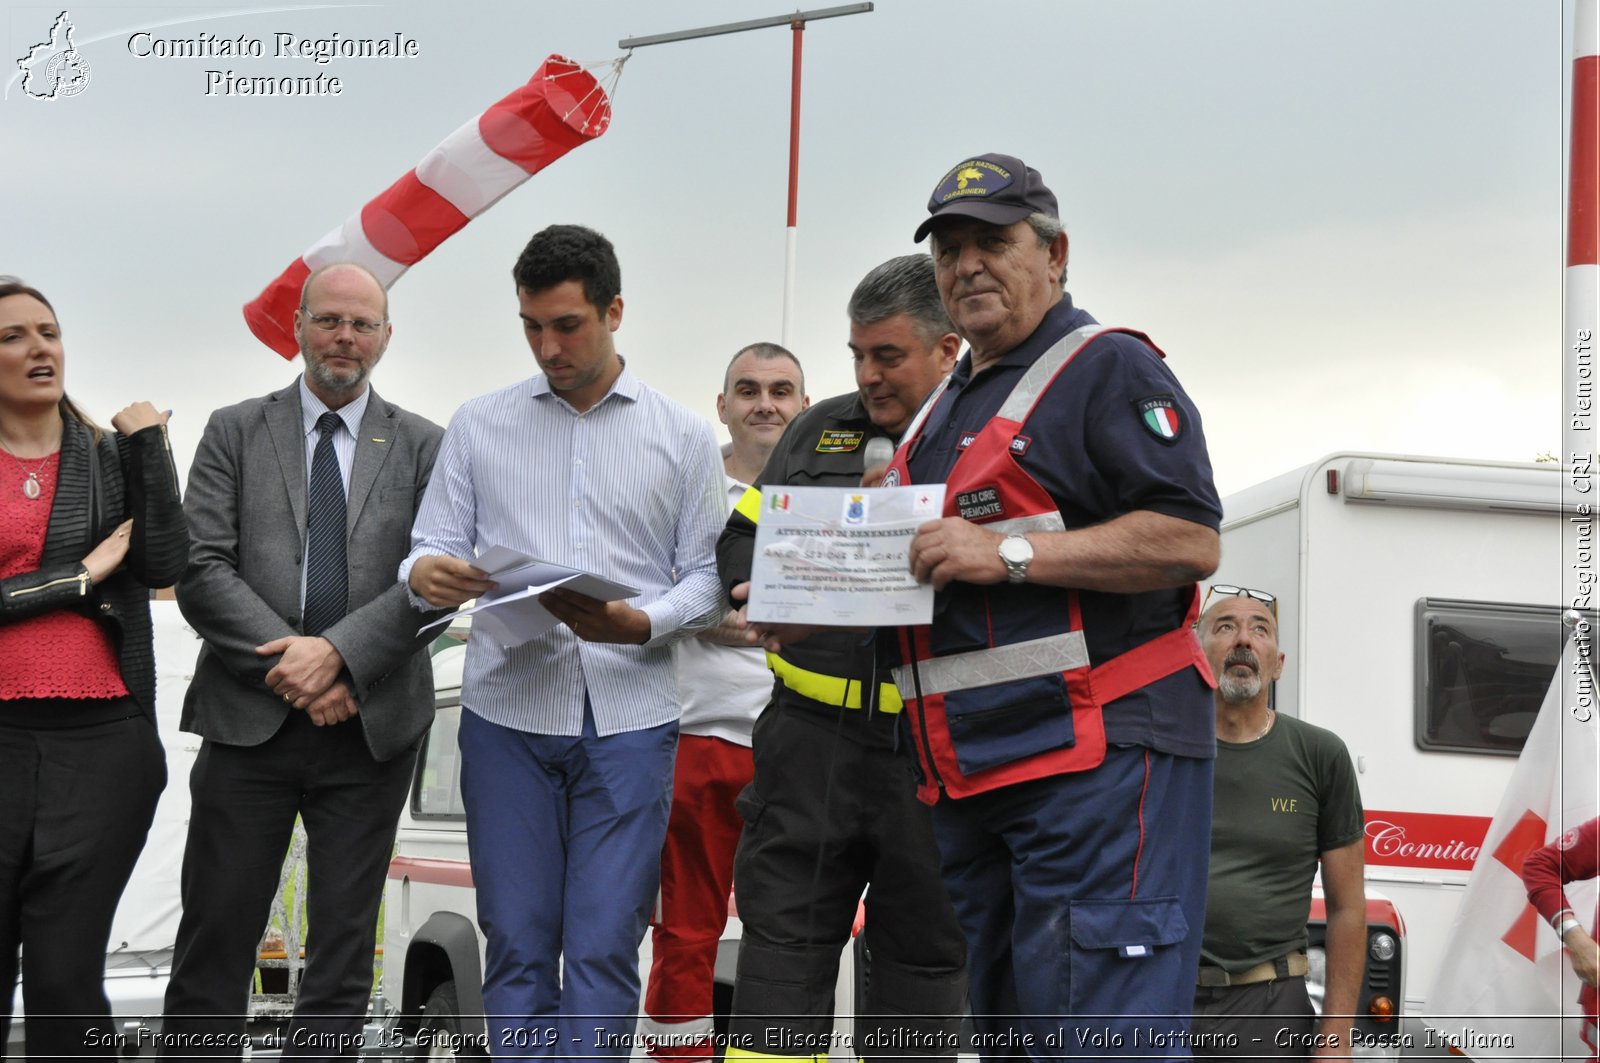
{"type": "Point", "coordinates": [1381, 947]}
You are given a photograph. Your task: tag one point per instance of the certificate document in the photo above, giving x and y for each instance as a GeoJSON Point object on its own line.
{"type": "Point", "coordinates": [510, 614]}
{"type": "Point", "coordinates": [840, 555]}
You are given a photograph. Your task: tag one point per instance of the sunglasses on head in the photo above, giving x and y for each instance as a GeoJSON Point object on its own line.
{"type": "Point", "coordinates": [1228, 590]}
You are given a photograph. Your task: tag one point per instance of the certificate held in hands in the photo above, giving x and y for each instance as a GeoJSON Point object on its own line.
{"type": "Point", "coordinates": [511, 614]}
{"type": "Point", "coordinates": [839, 556]}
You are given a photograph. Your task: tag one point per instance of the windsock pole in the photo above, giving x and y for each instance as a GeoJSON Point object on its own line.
{"type": "Point", "coordinates": [797, 23]}
{"type": "Point", "coordinates": [792, 231]}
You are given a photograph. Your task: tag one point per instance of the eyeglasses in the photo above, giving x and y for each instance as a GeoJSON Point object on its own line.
{"type": "Point", "coordinates": [1228, 590]}
{"type": "Point", "coordinates": [331, 322]}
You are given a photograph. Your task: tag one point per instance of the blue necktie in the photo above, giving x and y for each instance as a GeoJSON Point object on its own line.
{"type": "Point", "coordinates": [327, 578]}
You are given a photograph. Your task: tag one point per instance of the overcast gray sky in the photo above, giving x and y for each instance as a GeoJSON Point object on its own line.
{"type": "Point", "coordinates": [1342, 220]}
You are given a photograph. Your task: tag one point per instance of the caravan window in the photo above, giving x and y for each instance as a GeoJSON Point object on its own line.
{"type": "Point", "coordinates": [436, 791]}
{"type": "Point", "coordinates": [1482, 672]}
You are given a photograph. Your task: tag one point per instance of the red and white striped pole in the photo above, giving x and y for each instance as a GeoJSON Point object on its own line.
{"type": "Point", "coordinates": [1583, 217]}
{"type": "Point", "coordinates": [560, 107]}
{"type": "Point", "coordinates": [1583, 244]}
{"type": "Point", "coordinates": [1581, 493]}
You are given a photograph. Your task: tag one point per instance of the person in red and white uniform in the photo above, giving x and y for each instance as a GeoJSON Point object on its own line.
{"type": "Point", "coordinates": [1573, 857]}
{"type": "Point", "coordinates": [724, 683]}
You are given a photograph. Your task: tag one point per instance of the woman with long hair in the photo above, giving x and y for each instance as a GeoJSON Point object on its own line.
{"type": "Point", "coordinates": [89, 521]}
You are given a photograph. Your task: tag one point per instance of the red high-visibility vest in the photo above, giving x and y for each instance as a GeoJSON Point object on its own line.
{"type": "Point", "coordinates": [1019, 699]}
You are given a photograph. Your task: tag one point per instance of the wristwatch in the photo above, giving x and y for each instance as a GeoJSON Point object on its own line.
{"type": "Point", "coordinates": [1016, 552]}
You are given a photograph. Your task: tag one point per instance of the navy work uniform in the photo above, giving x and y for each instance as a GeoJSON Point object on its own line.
{"type": "Point", "coordinates": [1065, 737]}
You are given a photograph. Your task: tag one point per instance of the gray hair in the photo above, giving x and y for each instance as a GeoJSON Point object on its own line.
{"type": "Point", "coordinates": [903, 285]}
{"type": "Point", "coordinates": [764, 352]}
{"type": "Point", "coordinates": [1047, 229]}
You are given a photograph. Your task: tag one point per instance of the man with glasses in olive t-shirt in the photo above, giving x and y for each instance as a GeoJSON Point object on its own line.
{"type": "Point", "coordinates": [1285, 797]}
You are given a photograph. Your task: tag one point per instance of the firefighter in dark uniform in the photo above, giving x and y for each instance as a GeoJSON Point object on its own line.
{"type": "Point", "coordinates": [833, 805]}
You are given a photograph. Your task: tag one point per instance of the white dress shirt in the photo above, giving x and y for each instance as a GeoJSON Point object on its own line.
{"type": "Point", "coordinates": [723, 688]}
{"type": "Point", "coordinates": [630, 489]}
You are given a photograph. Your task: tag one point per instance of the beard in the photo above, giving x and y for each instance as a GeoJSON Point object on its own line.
{"type": "Point", "coordinates": [1236, 690]}
{"type": "Point", "coordinates": [318, 371]}
{"type": "Point", "coordinates": [331, 379]}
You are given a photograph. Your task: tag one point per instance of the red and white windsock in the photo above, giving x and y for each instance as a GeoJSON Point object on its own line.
{"type": "Point", "coordinates": [560, 107]}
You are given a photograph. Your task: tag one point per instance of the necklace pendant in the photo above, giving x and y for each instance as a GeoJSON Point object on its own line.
{"type": "Point", "coordinates": [30, 486]}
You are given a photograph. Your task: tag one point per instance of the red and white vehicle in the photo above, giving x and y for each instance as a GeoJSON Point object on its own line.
{"type": "Point", "coordinates": [1419, 604]}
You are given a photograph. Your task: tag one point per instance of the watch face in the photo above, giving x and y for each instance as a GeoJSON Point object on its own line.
{"type": "Point", "coordinates": [1016, 550]}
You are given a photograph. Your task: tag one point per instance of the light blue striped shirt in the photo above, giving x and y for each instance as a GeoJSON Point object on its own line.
{"type": "Point", "coordinates": [630, 489]}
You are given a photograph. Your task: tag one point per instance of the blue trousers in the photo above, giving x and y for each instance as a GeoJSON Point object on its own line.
{"type": "Point", "coordinates": [1083, 898]}
{"type": "Point", "coordinates": [565, 839]}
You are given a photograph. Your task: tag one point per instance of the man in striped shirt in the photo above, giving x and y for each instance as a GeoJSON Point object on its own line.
{"type": "Point", "coordinates": [567, 743]}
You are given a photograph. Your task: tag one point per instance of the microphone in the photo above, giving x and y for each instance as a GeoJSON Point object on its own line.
{"type": "Point", "coordinates": [880, 451]}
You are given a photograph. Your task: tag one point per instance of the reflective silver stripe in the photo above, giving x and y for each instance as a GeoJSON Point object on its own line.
{"type": "Point", "coordinates": [1038, 376]}
{"type": "Point", "coordinates": [1039, 522]}
{"type": "Point", "coordinates": [1002, 664]}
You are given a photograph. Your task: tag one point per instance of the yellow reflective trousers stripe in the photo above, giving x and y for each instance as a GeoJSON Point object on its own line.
{"type": "Point", "coordinates": [732, 1052]}
{"type": "Point", "coordinates": [831, 689]}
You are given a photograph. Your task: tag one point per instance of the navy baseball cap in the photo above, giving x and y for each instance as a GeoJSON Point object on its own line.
{"type": "Point", "coordinates": [999, 189]}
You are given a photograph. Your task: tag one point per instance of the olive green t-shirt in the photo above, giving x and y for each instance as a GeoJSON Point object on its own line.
{"type": "Point", "coordinates": [1279, 803]}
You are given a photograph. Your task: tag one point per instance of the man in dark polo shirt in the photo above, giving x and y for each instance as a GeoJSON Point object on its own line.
{"type": "Point", "coordinates": [1059, 702]}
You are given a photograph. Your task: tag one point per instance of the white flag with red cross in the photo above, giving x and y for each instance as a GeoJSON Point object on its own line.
{"type": "Point", "coordinates": [1506, 989]}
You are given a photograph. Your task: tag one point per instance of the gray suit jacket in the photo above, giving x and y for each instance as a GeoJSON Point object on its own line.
{"type": "Point", "coordinates": [246, 506]}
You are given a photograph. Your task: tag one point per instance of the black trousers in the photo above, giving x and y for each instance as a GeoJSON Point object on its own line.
{"type": "Point", "coordinates": [245, 799]}
{"type": "Point", "coordinates": [75, 806]}
{"type": "Point", "coordinates": [825, 817]}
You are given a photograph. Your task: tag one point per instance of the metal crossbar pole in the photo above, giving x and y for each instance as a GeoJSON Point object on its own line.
{"type": "Point", "coordinates": [797, 23]}
{"type": "Point", "coordinates": [740, 27]}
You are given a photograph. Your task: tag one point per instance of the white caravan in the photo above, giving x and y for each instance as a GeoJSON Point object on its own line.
{"type": "Point", "coordinates": [1419, 604]}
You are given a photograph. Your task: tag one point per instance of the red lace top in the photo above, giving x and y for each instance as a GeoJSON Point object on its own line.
{"type": "Point", "coordinates": [59, 654]}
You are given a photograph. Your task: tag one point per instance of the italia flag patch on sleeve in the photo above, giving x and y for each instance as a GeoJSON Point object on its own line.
{"type": "Point", "coordinates": [1160, 417]}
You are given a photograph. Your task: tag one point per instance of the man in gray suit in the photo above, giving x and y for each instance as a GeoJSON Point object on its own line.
{"type": "Point", "coordinates": [312, 690]}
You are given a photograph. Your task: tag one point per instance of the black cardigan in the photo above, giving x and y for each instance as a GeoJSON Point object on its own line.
{"type": "Point", "coordinates": [138, 480]}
